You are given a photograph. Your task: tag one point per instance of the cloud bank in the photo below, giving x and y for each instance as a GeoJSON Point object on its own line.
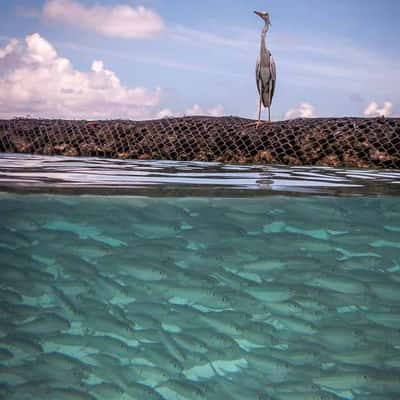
{"type": "Point", "coordinates": [120, 21]}
{"type": "Point", "coordinates": [217, 111]}
{"type": "Point", "coordinates": [35, 81]}
{"type": "Point", "coordinates": [373, 109]}
{"type": "Point", "coordinates": [304, 110]}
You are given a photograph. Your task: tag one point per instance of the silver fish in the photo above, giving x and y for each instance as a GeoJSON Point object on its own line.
{"type": "Point", "coordinates": [45, 324]}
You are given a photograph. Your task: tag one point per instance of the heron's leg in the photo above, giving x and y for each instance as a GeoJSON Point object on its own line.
{"type": "Point", "coordinates": [269, 103]}
{"type": "Point", "coordinates": [259, 113]}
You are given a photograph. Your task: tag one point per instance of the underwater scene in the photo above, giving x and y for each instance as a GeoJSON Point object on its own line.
{"type": "Point", "coordinates": [272, 297]}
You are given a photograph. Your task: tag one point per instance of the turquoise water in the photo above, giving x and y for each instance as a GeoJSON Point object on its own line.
{"type": "Point", "coordinates": [200, 297]}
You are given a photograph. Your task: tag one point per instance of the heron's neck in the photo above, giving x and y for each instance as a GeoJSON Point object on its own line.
{"type": "Point", "coordinates": [264, 38]}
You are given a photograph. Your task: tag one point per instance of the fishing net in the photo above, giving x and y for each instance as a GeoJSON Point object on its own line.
{"type": "Point", "coordinates": [337, 142]}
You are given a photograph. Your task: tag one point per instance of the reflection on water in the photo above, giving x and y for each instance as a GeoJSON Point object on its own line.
{"type": "Point", "coordinates": [274, 297]}
{"type": "Point", "coordinates": [27, 173]}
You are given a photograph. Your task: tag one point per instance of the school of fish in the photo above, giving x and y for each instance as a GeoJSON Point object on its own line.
{"type": "Point", "coordinates": [279, 297]}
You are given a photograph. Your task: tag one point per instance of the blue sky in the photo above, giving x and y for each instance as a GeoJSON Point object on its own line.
{"type": "Point", "coordinates": [333, 58]}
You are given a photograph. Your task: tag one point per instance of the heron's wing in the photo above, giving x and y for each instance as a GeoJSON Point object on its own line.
{"type": "Point", "coordinates": [272, 67]}
{"type": "Point", "coordinates": [258, 75]}
{"type": "Point", "coordinates": [266, 77]}
{"type": "Point", "coordinates": [264, 84]}
{"type": "Point", "coordinates": [263, 77]}
{"type": "Point", "coordinates": [272, 70]}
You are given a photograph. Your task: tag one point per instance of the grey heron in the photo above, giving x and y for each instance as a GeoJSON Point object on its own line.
{"type": "Point", "coordinates": [265, 70]}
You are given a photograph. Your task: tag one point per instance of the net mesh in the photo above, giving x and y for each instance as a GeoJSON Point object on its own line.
{"type": "Point", "coordinates": [337, 142]}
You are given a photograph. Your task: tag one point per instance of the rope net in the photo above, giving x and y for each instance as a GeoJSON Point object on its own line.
{"type": "Point", "coordinates": [336, 142]}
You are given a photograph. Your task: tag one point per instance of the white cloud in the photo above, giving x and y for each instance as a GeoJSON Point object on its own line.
{"type": "Point", "coordinates": [304, 110]}
{"type": "Point", "coordinates": [121, 20]}
{"type": "Point", "coordinates": [34, 80]}
{"type": "Point", "coordinates": [373, 109]}
{"type": "Point", "coordinates": [165, 113]}
{"type": "Point", "coordinates": [216, 111]}
{"type": "Point", "coordinates": [9, 48]}
{"type": "Point", "coordinates": [194, 110]}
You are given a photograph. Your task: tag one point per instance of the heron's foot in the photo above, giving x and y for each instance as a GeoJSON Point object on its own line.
{"type": "Point", "coordinates": [258, 123]}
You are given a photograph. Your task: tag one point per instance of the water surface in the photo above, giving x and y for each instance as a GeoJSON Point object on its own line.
{"type": "Point", "coordinates": [30, 173]}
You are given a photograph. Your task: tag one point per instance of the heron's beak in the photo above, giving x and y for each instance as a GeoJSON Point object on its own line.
{"type": "Point", "coordinates": [264, 16]}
